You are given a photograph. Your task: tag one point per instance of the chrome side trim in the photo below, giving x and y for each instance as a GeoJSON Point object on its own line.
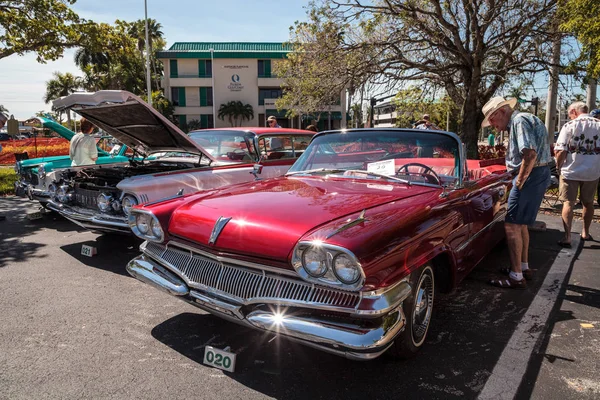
{"type": "Point", "coordinates": [496, 219]}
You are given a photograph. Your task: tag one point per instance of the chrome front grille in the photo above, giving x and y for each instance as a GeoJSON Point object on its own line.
{"type": "Point", "coordinates": [86, 198]}
{"type": "Point", "coordinates": [244, 284]}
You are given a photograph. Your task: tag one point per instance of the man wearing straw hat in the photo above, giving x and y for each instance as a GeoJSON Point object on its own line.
{"type": "Point", "coordinates": [527, 155]}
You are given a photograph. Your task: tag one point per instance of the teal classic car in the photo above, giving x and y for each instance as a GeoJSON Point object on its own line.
{"type": "Point", "coordinates": [35, 175]}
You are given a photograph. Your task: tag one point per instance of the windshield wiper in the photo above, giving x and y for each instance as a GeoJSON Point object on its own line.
{"type": "Point", "coordinates": [310, 171]}
{"type": "Point", "coordinates": [360, 171]}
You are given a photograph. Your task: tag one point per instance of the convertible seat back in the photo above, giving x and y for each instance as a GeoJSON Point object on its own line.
{"type": "Point", "coordinates": [477, 169]}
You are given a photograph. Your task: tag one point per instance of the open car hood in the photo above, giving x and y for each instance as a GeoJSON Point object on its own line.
{"type": "Point", "coordinates": [130, 120]}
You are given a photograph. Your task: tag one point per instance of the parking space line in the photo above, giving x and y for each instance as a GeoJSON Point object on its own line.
{"type": "Point", "coordinates": [508, 372]}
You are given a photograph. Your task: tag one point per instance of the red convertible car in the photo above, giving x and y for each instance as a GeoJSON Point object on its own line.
{"type": "Point", "coordinates": [345, 252]}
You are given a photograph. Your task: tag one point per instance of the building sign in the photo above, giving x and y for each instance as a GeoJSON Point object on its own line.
{"type": "Point", "coordinates": [235, 84]}
{"type": "Point", "coordinates": [270, 102]}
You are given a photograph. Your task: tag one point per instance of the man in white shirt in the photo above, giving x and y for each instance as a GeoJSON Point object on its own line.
{"type": "Point", "coordinates": [578, 161]}
{"type": "Point", "coordinates": [82, 149]}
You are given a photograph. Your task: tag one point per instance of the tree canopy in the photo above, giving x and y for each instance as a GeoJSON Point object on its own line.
{"type": "Point", "coordinates": [467, 49]}
{"type": "Point", "coordinates": [580, 17]}
{"type": "Point", "coordinates": [45, 27]}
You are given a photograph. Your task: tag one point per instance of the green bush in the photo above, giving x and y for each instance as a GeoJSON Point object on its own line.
{"type": "Point", "coordinates": [7, 180]}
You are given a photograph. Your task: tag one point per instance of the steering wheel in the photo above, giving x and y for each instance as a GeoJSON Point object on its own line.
{"type": "Point", "coordinates": [428, 172]}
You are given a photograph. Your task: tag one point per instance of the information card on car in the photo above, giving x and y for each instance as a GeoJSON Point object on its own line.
{"type": "Point", "coordinates": [386, 167]}
{"type": "Point", "coordinates": [219, 358]}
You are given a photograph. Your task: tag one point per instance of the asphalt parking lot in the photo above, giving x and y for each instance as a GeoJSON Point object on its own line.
{"type": "Point", "coordinates": [80, 327]}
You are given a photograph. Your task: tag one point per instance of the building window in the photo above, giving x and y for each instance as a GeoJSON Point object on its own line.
{"type": "Point", "coordinates": [181, 121]}
{"type": "Point", "coordinates": [206, 97]}
{"type": "Point", "coordinates": [268, 94]}
{"type": "Point", "coordinates": [173, 72]}
{"type": "Point", "coordinates": [264, 68]}
{"type": "Point", "coordinates": [178, 96]}
{"type": "Point", "coordinates": [204, 68]}
{"type": "Point", "coordinates": [206, 121]}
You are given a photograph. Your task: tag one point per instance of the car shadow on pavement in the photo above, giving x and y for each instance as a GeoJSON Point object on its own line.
{"type": "Point", "coordinates": [17, 229]}
{"type": "Point", "coordinates": [114, 251]}
{"type": "Point", "coordinates": [469, 330]}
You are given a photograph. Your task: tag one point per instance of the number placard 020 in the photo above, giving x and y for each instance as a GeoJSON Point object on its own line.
{"type": "Point", "coordinates": [218, 358]}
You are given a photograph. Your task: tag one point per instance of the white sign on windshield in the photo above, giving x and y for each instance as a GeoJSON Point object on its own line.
{"type": "Point", "coordinates": [386, 167]}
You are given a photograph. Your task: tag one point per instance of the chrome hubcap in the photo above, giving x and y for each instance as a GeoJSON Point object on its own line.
{"type": "Point", "coordinates": [423, 307]}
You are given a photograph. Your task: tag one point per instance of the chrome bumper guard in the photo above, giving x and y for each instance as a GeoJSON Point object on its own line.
{"type": "Point", "coordinates": [90, 221]}
{"type": "Point", "coordinates": [341, 336]}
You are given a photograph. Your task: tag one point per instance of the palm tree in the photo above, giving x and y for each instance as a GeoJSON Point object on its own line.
{"type": "Point", "coordinates": [62, 85]}
{"type": "Point", "coordinates": [137, 30]}
{"type": "Point", "coordinates": [235, 112]}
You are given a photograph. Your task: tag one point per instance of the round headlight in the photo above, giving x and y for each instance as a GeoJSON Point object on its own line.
{"type": "Point", "coordinates": [156, 228]}
{"type": "Point", "coordinates": [127, 203]}
{"type": "Point", "coordinates": [346, 269]}
{"type": "Point", "coordinates": [142, 223]}
{"type": "Point", "coordinates": [42, 171]}
{"type": "Point", "coordinates": [62, 192]}
{"type": "Point", "coordinates": [314, 261]}
{"type": "Point", "coordinates": [104, 200]}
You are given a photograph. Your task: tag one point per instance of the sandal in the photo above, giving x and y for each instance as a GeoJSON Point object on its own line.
{"type": "Point", "coordinates": [527, 274]}
{"type": "Point", "coordinates": [509, 283]}
{"type": "Point", "coordinates": [564, 244]}
{"type": "Point", "coordinates": [588, 237]}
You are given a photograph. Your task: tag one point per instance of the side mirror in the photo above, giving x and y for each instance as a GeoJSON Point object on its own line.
{"type": "Point", "coordinates": [257, 169]}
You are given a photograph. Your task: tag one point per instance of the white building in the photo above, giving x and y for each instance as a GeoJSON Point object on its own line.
{"type": "Point", "coordinates": [199, 77]}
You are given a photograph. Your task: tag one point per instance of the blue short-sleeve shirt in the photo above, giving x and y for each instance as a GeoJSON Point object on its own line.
{"type": "Point", "coordinates": [526, 131]}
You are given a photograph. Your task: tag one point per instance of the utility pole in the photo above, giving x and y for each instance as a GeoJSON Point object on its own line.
{"type": "Point", "coordinates": [592, 84]}
{"type": "Point", "coordinates": [149, 87]}
{"type": "Point", "coordinates": [553, 87]}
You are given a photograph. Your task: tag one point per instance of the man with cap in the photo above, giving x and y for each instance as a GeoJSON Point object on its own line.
{"type": "Point", "coordinates": [527, 155]}
{"type": "Point", "coordinates": [425, 123]}
{"type": "Point", "coordinates": [272, 122]}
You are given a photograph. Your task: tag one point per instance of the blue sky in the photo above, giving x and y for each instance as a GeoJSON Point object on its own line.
{"type": "Point", "coordinates": [22, 81]}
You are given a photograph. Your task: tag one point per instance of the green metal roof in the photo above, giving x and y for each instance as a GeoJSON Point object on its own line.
{"type": "Point", "coordinates": [226, 50]}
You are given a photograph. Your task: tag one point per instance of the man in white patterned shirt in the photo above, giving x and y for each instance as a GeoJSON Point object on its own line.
{"type": "Point", "coordinates": [578, 161]}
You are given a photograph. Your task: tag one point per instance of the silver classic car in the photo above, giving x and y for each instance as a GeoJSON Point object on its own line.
{"type": "Point", "coordinates": [164, 162]}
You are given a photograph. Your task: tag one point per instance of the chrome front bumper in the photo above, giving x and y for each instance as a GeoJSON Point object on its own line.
{"type": "Point", "coordinates": [342, 335]}
{"type": "Point", "coordinates": [88, 220]}
{"type": "Point", "coordinates": [24, 189]}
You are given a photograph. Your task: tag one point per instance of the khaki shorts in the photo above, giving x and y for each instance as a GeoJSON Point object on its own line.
{"type": "Point", "coordinates": [568, 190]}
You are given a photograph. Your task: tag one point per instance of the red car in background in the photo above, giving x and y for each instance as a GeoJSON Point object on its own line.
{"type": "Point", "coordinates": [345, 252]}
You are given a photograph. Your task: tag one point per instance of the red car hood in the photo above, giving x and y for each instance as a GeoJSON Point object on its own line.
{"type": "Point", "coordinates": [269, 217]}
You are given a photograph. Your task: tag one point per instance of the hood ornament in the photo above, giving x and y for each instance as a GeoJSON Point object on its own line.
{"type": "Point", "coordinates": [359, 220]}
{"type": "Point", "coordinates": [217, 229]}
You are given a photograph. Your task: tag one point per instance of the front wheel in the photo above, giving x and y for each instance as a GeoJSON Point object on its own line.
{"type": "Point", "coordinates": [418, 309]}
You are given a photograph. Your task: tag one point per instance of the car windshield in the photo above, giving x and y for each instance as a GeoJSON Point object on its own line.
{"type": "Point", "coordinates": [397, 155]}
{"type": "Point", "coordinates": [226, 145]}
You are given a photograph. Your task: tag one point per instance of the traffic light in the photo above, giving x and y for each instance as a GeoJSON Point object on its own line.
{"type": "Point", "coordinates": [535, 101]}
{"type": "Point", "coordinates": [373, 101]}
